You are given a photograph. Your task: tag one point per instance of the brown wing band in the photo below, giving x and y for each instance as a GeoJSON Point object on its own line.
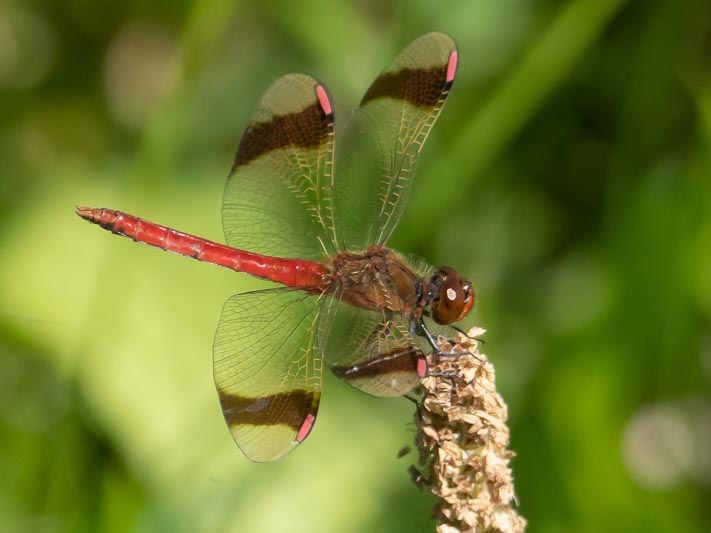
{"type": "Point", "coordinates": [306, 129]}
{"type": "Point", "coordinates": [420, 87]}
{"type": "Point", "coordinates": [288, 408]}
{"type": "Point", "coordinates": [398, 360]}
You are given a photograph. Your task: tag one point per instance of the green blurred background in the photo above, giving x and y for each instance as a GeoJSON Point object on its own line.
{"type": "Point", "coordinates": [569, 175]}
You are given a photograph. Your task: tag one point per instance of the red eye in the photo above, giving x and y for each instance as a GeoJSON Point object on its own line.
{"type": "Point", "coordinates": [455, 299]}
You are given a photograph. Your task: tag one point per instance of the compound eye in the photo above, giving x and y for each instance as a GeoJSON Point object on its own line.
{"type": "Point", "coordinates": [455, 300]}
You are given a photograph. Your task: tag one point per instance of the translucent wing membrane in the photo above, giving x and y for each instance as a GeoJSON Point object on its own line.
{"type": "Point", "coordinates": [277, 200]}
{"type": "Point", "coordinates": [376, 160]}
{"type": "Point", "coordinates": [282, 200]}
{"type": "Point", "coordinates": [267, 375]}
{"type": "Point", "coordinates": [371, 350]}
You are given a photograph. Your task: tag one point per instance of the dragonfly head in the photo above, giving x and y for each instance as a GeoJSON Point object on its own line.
{"type": "Point", "coordinates": [453, 296]}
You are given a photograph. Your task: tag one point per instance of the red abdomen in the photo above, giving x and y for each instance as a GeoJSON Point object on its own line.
{"type": "Point", "coordinates": [290, 272]}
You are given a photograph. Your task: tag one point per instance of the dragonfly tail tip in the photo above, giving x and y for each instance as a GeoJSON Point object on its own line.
{"type": "Point", "coordinates": [86, 213]}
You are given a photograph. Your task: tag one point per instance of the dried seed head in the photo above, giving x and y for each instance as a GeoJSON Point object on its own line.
{"type": "Point", "coordinates": [463, 441]}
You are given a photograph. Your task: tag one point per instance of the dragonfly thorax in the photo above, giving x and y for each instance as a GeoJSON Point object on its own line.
{"type": "Point", "coordinates": [375, 279]}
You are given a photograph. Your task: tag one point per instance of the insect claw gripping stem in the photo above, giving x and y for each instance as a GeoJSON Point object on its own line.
{"type": "Point", "coordinates": [451, 375]}
{"type": "Point", "coordinates": [430, 340]}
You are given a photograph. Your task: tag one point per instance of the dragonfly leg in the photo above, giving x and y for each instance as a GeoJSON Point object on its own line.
{"type": "Point", "coordinates": [431, 341]}
{"type": "Point", "coordinates": [460, 330]}
{"type": "Point", "coordinates": [450, 374]}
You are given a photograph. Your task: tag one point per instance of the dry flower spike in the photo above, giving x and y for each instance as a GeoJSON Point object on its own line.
{"type": "Point", "coordinates": [463, 441]}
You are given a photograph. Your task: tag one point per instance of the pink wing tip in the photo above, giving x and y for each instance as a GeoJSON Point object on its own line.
{"type": "Point", "coordinates": [323, 99]}
{"type": "Point", "coordinates": [421, 367]}
{"type": "Point", "coordinates": [306, 427]}
{"type": "Point", "coordinates": [452, 66]}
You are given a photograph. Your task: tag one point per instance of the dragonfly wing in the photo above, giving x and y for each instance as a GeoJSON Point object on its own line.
{"type": "Point", "coordinates": [376, 161]}
{"type": "Point", "coordinates": [371, 350]}
{"type": "Point", "coordinates": [267, 376]}
{"type": "Point", "coordinates": [277, 200]}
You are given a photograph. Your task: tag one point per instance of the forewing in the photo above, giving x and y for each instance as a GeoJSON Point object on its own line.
{"type": "Point", "coordinates": [267, 376]}
{"type": "Point", "coordinates": [371, 350]}
{"type": "Point", "coordinates": [378, 153]}
{"type": "Point", "coordinates": [278, 196]}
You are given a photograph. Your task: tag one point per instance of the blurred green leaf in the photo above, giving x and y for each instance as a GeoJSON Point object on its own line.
{"type": "Point", "coordinates": [568, 175]}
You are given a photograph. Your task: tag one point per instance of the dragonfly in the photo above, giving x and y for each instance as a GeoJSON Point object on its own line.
{"type": "Point", "coordinates": [316, 221]}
